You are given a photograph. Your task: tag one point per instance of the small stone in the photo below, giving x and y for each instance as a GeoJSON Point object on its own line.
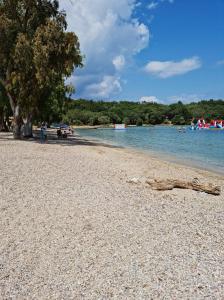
{"type": "Point", "coordinates": [134, 180]}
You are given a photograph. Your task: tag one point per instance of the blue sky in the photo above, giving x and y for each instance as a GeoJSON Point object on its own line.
{"type": "Point", "coordinates": [164, 50]}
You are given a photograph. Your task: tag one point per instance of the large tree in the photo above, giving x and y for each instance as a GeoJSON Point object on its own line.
{"type": "Point", "coordinates": [36, 54]}
{"type": "Point", "coordinates": [5, 110]}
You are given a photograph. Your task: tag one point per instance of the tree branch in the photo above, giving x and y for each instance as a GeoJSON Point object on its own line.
{"type": "Point", "coordinates": [169, 184]}
{"type": "Point", "coordinates": [11, 100]}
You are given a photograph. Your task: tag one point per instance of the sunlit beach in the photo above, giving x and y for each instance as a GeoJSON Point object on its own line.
{"type": "Point", "coordinates": [111, 149]}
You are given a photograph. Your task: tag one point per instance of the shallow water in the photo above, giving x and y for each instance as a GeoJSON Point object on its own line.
{"type": "Point", "coordinates": [202, 148]}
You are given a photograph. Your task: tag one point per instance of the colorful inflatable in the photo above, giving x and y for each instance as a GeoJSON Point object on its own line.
{"type": "Point", "coordinates": [201, 124]}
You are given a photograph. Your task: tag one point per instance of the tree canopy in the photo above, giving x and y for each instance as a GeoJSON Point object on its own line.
{"type": "Point", "coordinates": [91, 112]}
{"type": "Point", "coordinates": [36, 54]}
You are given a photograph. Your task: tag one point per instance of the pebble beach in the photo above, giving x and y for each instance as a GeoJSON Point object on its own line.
{"type": "Point", "coordinates": [74, 226]}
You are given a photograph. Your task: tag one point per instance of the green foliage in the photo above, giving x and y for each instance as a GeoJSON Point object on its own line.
{"type": "Point", "coordinates": [114, 118]}
{"type": "Point", "coordinates": [167, 122]}
{"type": "Point", "coordinates": [207, 109]}
{"type": "Point", "coordinates": [36, 54]}
{"type": "Point", "coordinates": [132, 113]}
{"type": "Point", "coordinates": [155, 118]}
{"type": "Point", "coordinates": [178, 120]}
{"type": "Point", "coordinates": [178, 109]}
{"type": "Point", "coordinates": [126, 121]}
{"type": "Point", "coordinates": [103, 120]}
{"type": "Point", "coordinates": [139, 122]}
{"type": "Point", "coordinates": [77, 123]}
{"type": "Point", "coordinates": [93, 121]}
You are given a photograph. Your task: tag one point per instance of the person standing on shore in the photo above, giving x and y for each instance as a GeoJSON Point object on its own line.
{"type": "Point", "coordinates": [43, 135]}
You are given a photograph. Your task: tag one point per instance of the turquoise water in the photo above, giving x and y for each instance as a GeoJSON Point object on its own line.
{"type": "Point", "coordinates": [202, 148]}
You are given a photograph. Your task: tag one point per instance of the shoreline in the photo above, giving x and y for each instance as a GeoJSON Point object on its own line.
{"type": "Point", "coordinates": [148, 154]}
{"type": "Point", "coordinates": [160, 156]}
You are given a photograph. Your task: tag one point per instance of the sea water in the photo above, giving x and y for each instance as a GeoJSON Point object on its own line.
{"type": "Point", "coordinates": [199, 148]}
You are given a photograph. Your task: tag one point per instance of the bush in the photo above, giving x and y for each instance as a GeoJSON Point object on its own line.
{"type": "Point", "coordinates": [66, 119]}
{"type": "Point", "coordinates": [155, 119]}
{"type": "Point", "coordinates": [139, 122]}
{"type": "Point", "coordinates": [103, 120]}
{"type": "Point", "coordinates": [126, 121]}
{"type": "Point", "coordinates": [93, 121]}
{"type": "Point", "coordinates": [114, 118]}
{"type": "Point", "coordinates": [77, 122]}
{"type": "Point", "coordinates": [178, 120]}
{"type": "Point", "coordinates": [167, 122]}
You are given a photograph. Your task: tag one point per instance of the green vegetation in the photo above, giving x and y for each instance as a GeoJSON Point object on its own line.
{"type": "Point", "coordinates": [89, 112]}
{"type": "Point", "coordinates": [36, 55]}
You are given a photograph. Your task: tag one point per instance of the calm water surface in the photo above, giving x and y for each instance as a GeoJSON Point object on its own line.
{"type": "Point", "coordinates": [202, 148]}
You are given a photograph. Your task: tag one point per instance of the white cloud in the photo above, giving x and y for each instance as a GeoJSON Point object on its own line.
{"type": "Point", "coordinates": [149, 99]}
{"type": "Point", "coordinates": [138, 4]}
{"type": "Point", "coordinates": [153, 5]}
{"type": "Point", "coordinates": [220, 62]}
{"type": "Point", "coordinates": [109, 36]}
{"type": "Point", "coordinates": [119, 62]}
{"type": "Point", "coordinates": [108, 86]}
{"type": "Point", "coordinates": [170, 1]}
{"type": "Point", "coordinates": [165, 69]}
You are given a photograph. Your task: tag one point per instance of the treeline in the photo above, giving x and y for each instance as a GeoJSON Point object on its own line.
{"type": "Point", "coordinates": [89, 112]}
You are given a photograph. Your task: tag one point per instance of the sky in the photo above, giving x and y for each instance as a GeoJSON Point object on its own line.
{"type": "Point", "coordinates": [156, 50]}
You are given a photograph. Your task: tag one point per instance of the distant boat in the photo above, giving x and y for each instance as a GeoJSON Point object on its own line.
{"type": "Point", "coordinates": [120, 126]}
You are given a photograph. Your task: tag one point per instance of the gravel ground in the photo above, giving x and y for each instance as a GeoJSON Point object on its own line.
{"type": "Point", "coordinates": [72, 227]}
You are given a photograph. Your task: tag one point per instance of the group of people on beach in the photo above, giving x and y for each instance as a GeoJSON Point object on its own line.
{"type": "Point", "coordinates": [61, 132]}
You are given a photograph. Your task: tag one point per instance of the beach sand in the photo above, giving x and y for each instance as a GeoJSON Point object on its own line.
{"type": "Point", "coordinates": [72, 227]}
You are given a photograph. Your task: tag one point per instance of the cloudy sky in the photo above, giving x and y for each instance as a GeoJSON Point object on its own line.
{"type": "Point", "coordinates": [166, 50]}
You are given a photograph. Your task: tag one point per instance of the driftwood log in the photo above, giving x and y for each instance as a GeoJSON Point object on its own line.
{"type": "Point", "coordinates": [169, 184]}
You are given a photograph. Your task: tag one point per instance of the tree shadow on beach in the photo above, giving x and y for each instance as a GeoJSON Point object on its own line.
{"type": "Point", "coordinates": [52, 139]}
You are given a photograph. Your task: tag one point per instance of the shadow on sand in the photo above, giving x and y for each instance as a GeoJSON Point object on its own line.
{"type": "Point", "coordinates": [52, 139]}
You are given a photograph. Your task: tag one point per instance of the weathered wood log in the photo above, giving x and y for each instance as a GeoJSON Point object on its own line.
{"type": "Point", "coordinates": [169, 184]}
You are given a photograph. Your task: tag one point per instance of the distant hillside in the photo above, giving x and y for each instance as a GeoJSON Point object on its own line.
{"type": "Point", "coordinates": [89, 112]}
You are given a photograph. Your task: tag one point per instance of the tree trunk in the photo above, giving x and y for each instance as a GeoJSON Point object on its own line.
{"type": "Point", "coordinates": [18, 122]}
{"type": "Point", "coordinates": [169, 184]}
{"type": "Point", "coordinates": [5, 126]}
{"type": "Point", "coordinates": [1, 120]}
{"type": "Point", "coordinates": [17, 119]}
{"type": "Point", "coordinates": [27, 129]}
